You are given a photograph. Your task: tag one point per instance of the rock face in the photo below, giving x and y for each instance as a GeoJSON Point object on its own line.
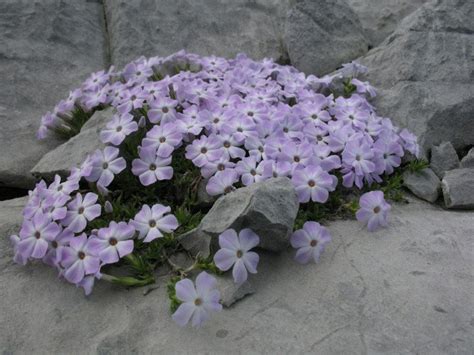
{"type": "Point", "coordinates": [468, 160]}
{"type": "Point", "coordinates": [424, 72]}
{"type": "Point", "coordinates": [232, 293]}
{"type": "Point", "coordinates": [424, 184]}
{"type": "Point", "coordinates": [73, 153]}
{"type": "Point", "coordinates": [269, 208]}
{"type": "Point", "coordinates": [222, 28]}
{"type": "Point", "coordinates": [321, 35]}
{"type": "Point", "coordinates": [416, 300]}
{"type": "Point", "coordinates": [379, 18]}
{"type": "Point", "coordinates": [46, 49]}
{"type": "Point", "coordinates": [458, 188]}
{"type": "Point", "coordinates": [443, 158]}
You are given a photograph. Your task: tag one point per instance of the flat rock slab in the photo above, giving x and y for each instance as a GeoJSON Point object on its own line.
{"type": "Point", "coordinates": [458, 188]}
{"type": "Point", "coordinates": [404, 289]}
{"type": "Point", "coordinates": [222, 28]}
{"type": "Point", "coordinates": [424, 73]}
{"type": "Point", "coordinates": [47, 48]}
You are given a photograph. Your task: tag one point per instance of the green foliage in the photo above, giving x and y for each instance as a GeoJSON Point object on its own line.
{"type": "Point", "coordinates": [171, 290]}
{"type": "Point", "coordinates": [72, 125]}
{"type": "Point", "coordinates": [349, 88]}
{"type": "Point", "coordinates": [417, 165]}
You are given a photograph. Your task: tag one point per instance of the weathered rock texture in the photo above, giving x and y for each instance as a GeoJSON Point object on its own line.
{"type": "Point", "coordinates": [468, 160]}
{"type": "Point", "coordinates": [46, 49]}
{"type": "Point", "coordinates": [269, 208]}
{"type": "Point", "coordinates": [443, 158]}
{"type": "Point", "coordinates": [405, 289]}
{"type": "Point", "coordinates": [424, 184]}
{"type": "Point", "coordinates": [321, 35]}
{"type": "Point", "coordinates": [458, 188]}
{"type": "Point", "coordinates": [425, 73]}
{"type": "Point", "coordinates": [206, 27]}
{"type": "Point", "coordinates": [379, 18]}
{"type": "Point", "coordinates": [73, 152]}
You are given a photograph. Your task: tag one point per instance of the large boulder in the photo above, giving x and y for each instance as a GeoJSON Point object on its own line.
{"type": "Point", "coordinates": [405, 289]}
{"type": "Point", "coordinates": [222, 28]}
{"type": "Point", "coordinates": [269, 208]}
{"type": "Point", "coordinates": [73, 152]}
{"type": "Point", "coordinates": [379, 18]}
{"type": "Point", "coordinates": [425, 73]}
{"type": "Point", "coordinates": [46, 49]}
{"type": "Point", "coordinates": [321, 35]}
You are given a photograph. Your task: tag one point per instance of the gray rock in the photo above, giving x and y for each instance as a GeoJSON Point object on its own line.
{"type": "Point", "coordinates": [379, 18]}
{"type": "Point", "coordinates": [321, 35]}
{"type": "Point", "coordinates": [342, 305]}
{"type": "Point", "coordinates": [230, 292]}
{"type": "Point", "coordinates": [269, 208]}
{"type": "Point", "coordinates": [222, 28]}
{"type": "Point", "coordinates": [443, 158]}
{"type": "Point", "coordinates": [424, 73]}
{"type": "Point", "coordinates": [424, 184]}
{"type": "Point", "coordinates": [203, 197]}
{"type": "Point", "coordinates": [468, 160]}
{"type": "Point", "coordinates": [458, 188]}
{"type": "Point", "coordinates": [75, 150]}
{"type": "Point", "coordinates": [46, 49]}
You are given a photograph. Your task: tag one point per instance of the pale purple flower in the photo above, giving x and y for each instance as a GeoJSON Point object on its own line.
{"type": "Point", "coordinates": [162, 110]}
{"type": "Point", "coordinates": [78, 259]}
{"type": "Point", "coordinates": [164, 139]}
{"type": "Point", "coordinates": [222, 183]}
{"type": "Point", "coordinates": [235, 252]}
{"type": "Point", "coordinates": [220, 164]}
{"type": "Point", "coordinates": [105, 165]}
{"type": "Point", "coordinates": [204, 150]}
{"type": "Point", "coordinates": [358, 155]}
{"type": "Point", "coordinates": [35, 235]}
{"type": "Point", "coordinates": [60, 241]}
{"type": "Point", "coordinates": [373, 210]}
{"type": "Point", "coordinates": [113, 242]}
{"type": "Point", "coordinates": [313, 183]}
{"type": "Point", "coordinates": [409, 142]}
{"type": "Point", "coordinates": [310, 242]}
{"type": "Point", "coordinates": [152, 222]}
{"type": "Point", "coordinates": [151, 168]}
{"type": "Point", "coordinates": [17, 256]}
{"type": "Point", "coordinates": [247, 169]}
{"type": "Point", "coordinates": [118, 129]}
{"type": "Point", "coordinates": [363, 87]}
{"type": "Point", "coordinates": [197, 302]}
{"type": "Point", "coordinates": [80, 211]}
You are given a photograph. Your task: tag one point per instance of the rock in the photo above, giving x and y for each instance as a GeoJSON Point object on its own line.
{"type": "Point", "coordinates": [424, 184]}
{"type": "Point", "coordinates": [10, 222]}
{"type": "Point", "coordinates": [230, 292]}
{"type": "Point", "coordinates": [269, 208]}
{"type": "Point", "coordinates": [204, 27]}
{"type": "Point", "coordinates": [47, 48]}
{"type": "Point", "coordinates": [458, 188]}
{"type": "Point", "coordinates": [468, 160]}
{"type": "Point", "coordinates": [75, 150]}
{"type": "Point", "coordinates": [203, 197]}
{"type": "Point", "coordinates": [443, 158]}
{"type": "Point", "coordinates": [379, 18]}
{"type": "Point", "coordinates": [423, 277]}
{"type": "Point", "coordinates": [424, 74]}
{"type": "Point", "coordinates": [321, 35]}
{"type": "Point", "coordinates": [196, 242]}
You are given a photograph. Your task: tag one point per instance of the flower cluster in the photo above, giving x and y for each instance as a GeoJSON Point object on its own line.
{"type": "Point", "coordinates": [237, 122]}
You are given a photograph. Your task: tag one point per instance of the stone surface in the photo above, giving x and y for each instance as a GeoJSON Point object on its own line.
{"type": "Point", "coordinates": [424, 184]}
{"type": "Point", "coordinates": [269, 208]}
{"type": "Point", "coordinates": [468, 160]}
{"type": "Point", "coordinates": [46, 49]}
{"type": "Point", "coordinates": [405, 289]}
{"type": "Point", "coordinates": [458, 188]}
{"type": "Point", "coordinates": [424, 73]}
{"type": "Point", "coordinates": [232, 293]}
{"type": "Point", "coordinates": [321, 35]}
{"type": "Point", "coordinates": [207, 27]}
{"type": "Point", "coordinates": [379, 18]}
{"type": "Point", "coordinates": [443, 158]}
{"type": "Point", "coordinates": [196, 242]}
{"type": "Point", "coordinates": [73, 152]}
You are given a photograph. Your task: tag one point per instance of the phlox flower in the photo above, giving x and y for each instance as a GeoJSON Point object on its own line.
{"type": "Point", "coordinates": [310, 242]}
{"type": "Point", "coordinates": [35, 235]}
{"type": "Point", "coordinates": [113, 242]}
{"type": "Point", "coordinates": [204, 150]}
{"type": "Point", "coordinates": [151, 168]}
{"type": "Point", "coordinates": [222, 182]}
{"type": "Point", "coordinates": [313, 183]}
{"type": "Point", "coordinates": [162, 110]}
{"type": "Point", "coordinates": [235, 252]}
{"type": "Point", "coordinates": [164, 139]}
{"type": "Point", "coordinates": [60, 241]}
{"type": "Point", "coordinates": [197, 301]}
{"type": "Point", "coordinates": [373, 210]}
{"type": "Point", "coordinates": [105, 165]}
{"type": "Point", "coordinates": [118, 129]}
{"type": "Point", "coordinates": [81, 210]}
{"type": "Point", "coordinates": [152, 222]}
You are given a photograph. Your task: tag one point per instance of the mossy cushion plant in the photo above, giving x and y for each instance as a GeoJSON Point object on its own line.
{"type": "Point", "coordinates": [184, 120]}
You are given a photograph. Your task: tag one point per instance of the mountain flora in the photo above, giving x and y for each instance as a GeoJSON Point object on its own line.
{"type": "Point", "coordinates": [183, 121]}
